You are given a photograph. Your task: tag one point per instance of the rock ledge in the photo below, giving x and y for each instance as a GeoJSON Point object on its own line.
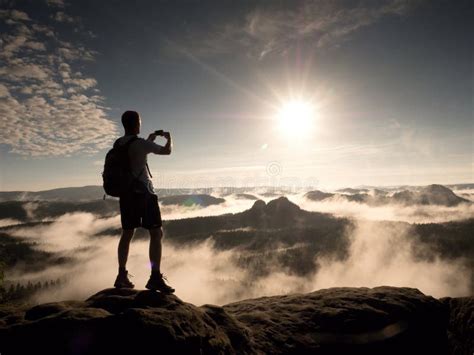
{"type": "Point", "coordinates": [386, 320]}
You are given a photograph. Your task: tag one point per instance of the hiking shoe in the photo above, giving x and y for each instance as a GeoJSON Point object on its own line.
{"type": "Point", "coordinates": [122, 280]}
{"type": "Point", "coordinates": [157, 283]}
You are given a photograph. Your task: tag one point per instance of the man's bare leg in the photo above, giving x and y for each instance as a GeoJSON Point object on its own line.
{"type": "Point", "coordinates": [123, 247]}
{"type": "Point", "coordinates": [122, 280]}
{"type": "Point", "coordinates": [156, 236]}
{"type": "Point", "coordinates": [157, 280]}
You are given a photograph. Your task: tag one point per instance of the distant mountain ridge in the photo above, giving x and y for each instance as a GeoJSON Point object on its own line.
{"type": "Point", "coordinates": [428, 195]}
{"type": "Point", "coordinates": [94, 192]}
{"type": "Point", "coordinates": [82, 193]}
{"type": "Point", "coordinates": [47, 209]}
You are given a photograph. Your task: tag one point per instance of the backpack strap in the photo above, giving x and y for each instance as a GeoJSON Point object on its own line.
{"type": "Point", "coordinates": [149, 172]}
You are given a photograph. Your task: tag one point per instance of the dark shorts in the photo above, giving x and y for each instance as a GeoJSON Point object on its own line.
{"type": "Point", "coordinates": [140, 210]}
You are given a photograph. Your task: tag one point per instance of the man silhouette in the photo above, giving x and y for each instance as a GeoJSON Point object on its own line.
{"type": "Point", "coordinates": [139, 206]}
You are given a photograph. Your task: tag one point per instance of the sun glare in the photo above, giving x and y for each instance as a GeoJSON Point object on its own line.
{"type": "Point", "coordinates": [296, 118]}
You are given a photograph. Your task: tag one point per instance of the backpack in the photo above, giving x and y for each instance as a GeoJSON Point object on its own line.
{"type": "Point", "coordinates": [117, 176]}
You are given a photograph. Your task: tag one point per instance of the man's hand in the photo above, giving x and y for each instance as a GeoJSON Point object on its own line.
{"type": "Point", "coordinates": [168, 146]}
{"type": "Point", "coordinates": [162, 133]}
{"type": "Point", "coordinates": [152, 137]}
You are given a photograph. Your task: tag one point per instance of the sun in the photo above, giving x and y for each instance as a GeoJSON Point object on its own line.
{"type": "Point", "coordinates": [295, 118]}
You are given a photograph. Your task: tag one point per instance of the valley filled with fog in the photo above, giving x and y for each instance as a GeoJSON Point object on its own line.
{"type": "Point", "coordinates": [227, 244]}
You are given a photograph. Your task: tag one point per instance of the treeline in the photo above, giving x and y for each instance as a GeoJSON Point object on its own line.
{"type": "Point", "coordinates": [22, 292]}
{"type": "Point", "coordinates": [15, 252]}
{"type": "Point", "coordinates": [449, 240]}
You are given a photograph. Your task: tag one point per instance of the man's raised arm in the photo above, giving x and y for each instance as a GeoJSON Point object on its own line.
{"type": "Point", "coordinates": [159, 149]}
{"type": "Point", "coordinates": [169, 144]}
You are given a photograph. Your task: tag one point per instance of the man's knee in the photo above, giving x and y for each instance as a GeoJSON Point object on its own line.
{"type": "Point", "coordinates": [156, 233]}
{"type": "Point", "coordinates": [127, 234]}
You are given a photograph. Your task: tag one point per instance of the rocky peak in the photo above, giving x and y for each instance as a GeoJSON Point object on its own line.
{"type": "Point", "coordinates": [282, 205]}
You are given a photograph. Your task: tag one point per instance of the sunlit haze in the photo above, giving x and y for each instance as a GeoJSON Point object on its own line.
{"type": "Point", "coordinates": [336, 94]}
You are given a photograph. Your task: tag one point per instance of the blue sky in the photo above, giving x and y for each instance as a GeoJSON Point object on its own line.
{"type": "Point", "coordinates": [390, 83]}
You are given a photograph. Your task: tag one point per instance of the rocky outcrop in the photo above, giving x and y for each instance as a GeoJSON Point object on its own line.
{"type": "Point", "coordinates": [279, 212]}
{"type": "Point", "coordinates": [429, 195]}
{"type": "Point", "coordinates": [317, 195]}
{"type": "Point", "coordinates": [125, 321]}
{"type": "Point", "coordinates": [461, 324]}
{"type": "Point", "coordinates": [381, 320]}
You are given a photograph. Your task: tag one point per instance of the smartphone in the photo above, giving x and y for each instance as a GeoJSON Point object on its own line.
{"type": "Point", "coordinates": [159, 132]}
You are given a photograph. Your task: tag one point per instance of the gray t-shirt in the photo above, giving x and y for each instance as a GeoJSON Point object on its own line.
{"type": "Point", "coordinates": [138, 151]}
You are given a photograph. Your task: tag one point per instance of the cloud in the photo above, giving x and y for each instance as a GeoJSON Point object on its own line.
{"type": "Point", "coordinates": [274, 27]}
{"type": "Point", "coordinates": [9, 222]}
{"type": "Point", "coordinates": [60, 16]}
{"type": "Point", "coordinates": [55, 3]}
{"type": "Point", "coordinates": [82, 83]}
{"type": "Point", "coordinates": [25, 71]}
{"type": "Point", "coordinates": [75, 53]}
{"type": "Point", "coordinates": [4, 91]}
{"type": "Point", "coordinates": [42, 29]}
{"type": "Point", "coordinates": [47, 106]}
{"type": "Point", "coordinates": [16, 15]}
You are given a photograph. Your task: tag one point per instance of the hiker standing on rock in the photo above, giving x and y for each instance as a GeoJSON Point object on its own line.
{"type": "Point", "coordinates": [139, 203]}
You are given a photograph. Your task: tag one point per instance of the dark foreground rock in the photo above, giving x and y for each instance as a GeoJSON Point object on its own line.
{"type": "Point", "coordinates": [381, 320]}
{"type": "Point", "coordinates": [461, 324]}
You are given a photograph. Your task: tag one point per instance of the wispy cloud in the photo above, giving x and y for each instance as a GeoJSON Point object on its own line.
{"type": "Point", "coordinates": [274, 27]}
{"type": "Point", "coordinates": [47, 106]}
{"type": "Point", "coordinates": [60, 16]}
{"type": "Point", "coordinates": [16, 15]}
{"type": "Point", "coordinates": [55, 3]}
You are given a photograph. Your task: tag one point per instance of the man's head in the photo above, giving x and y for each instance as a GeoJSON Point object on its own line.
{"type": "Point", "coordinates": [131, 122]}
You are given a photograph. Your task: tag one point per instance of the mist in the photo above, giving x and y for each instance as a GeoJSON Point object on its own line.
{"type": "Point", "coordinates": [9, 222]}
{"type": "Point", "coordinates": [389, 212]}
{"type": "Point", "coordinates": [337, 207]}
{"type": "Point", "coordinates": [382, 254]}
{"type": "Point", "coordinates": [232, 204]}
{"type": "Point", "coordinates": [379, 254]}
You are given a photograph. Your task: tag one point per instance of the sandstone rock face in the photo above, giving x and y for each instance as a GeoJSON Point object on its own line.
{"type": "Point", "coordinates": [381, 320]}
{"type": "Point", "coordinates": [346, 320]}
{"type": "Point", "coordinates": [125, 321]}
{"type": "Point", "coordinates": [461, 324]}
